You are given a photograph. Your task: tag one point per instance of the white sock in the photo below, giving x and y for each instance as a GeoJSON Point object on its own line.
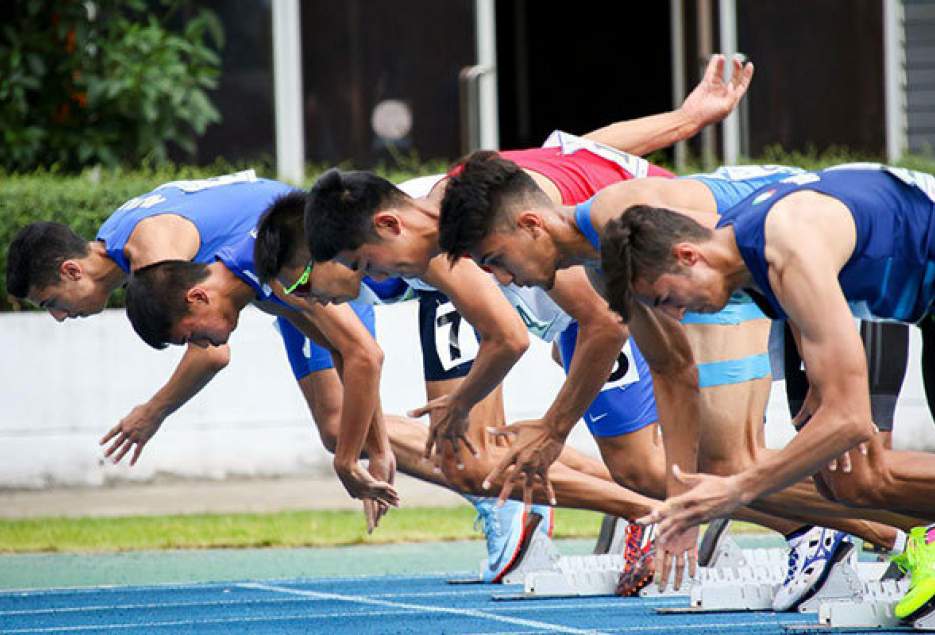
{"type": "Point", "coordinates": [899, 545]}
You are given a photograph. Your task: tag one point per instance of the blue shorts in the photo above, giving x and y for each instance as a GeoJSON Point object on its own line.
{"type": "Point", "coordinates": [305, 356]}
{"type": "Point", "coordinates": [732, 183]}
{"type": "Point", "coordinates": [626, 402]}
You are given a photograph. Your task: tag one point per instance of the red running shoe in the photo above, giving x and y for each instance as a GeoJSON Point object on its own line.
{"type": "Point", "coordinates": [638, 562]}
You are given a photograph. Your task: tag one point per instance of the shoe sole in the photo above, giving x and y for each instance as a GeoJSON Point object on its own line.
{"type": "Point", "coordinates": [606, 535]}
{"type": "Point", "coordinates": [711, 540]}
{"type": "Point", "coordinates": [922, 611]}
{"type": "Point", "coordinates": [530, 523]}
{"type": "Point", "coordinates": [842, 551]}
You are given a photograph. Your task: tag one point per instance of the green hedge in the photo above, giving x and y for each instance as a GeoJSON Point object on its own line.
{"type": "Point", "coordinates": [86, 200]}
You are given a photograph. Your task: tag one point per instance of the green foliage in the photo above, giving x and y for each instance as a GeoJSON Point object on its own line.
{"type": "Point", "coordinates": [103, 82]}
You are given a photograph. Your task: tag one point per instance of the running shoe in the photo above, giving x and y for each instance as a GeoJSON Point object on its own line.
{"type": "Point", "coordinates": [711, 541]}
{"type": "Point", "coordinates": [503, 528]}
{"type": "Point", "coordinates": [638, 561]}
{"type": "Point", "coordinates": [812, 552]}
{"type": "Point", "coordinates": [919, 561]}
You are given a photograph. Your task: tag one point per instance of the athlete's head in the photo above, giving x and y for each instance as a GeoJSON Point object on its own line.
{"type": "Point", "coordinates": [654, 256]}
{"type": "Point", "coordinates": [47, 265]}
{"type": "Point", "coordinates": [366, 223]}
{"type": "Point", "coordinates": [496, 214]}
{"type": "Point", "coordinates": [171, 302]}
{"type": "Point", "coordinates": [281, 253]}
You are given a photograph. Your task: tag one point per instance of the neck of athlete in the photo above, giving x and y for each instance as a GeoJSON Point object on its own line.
{"type": "Point", "coordinates": [723, 256]}
{"type": "Point", "coordinates": [572, 246]}
{"type": "Point", "coordinates": [224, 283]}
{"type": "Point", "coordinates": [422, 223]}
{"type": "Point", "coordinates": [101, 268]}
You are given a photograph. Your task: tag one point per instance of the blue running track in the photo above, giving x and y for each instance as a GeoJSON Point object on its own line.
{"type": "Point", "coordinates": [391, 604]}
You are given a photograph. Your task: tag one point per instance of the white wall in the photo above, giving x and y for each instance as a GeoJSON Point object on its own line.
{"type": "Point", "coordinates": [65, 385]}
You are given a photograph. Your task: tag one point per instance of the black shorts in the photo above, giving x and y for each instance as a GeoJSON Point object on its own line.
{"type": "Point", "coordinates": [449, 343]}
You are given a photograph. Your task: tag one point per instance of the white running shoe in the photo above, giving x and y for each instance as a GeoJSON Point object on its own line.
{"type": "Point", "coordinates": [811, 555]}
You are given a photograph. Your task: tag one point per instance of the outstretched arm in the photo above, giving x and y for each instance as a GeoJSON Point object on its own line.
{"type": "Point", "coordinates": [196, 368]}
{"type": "Point", "coordinates": [710, 102]}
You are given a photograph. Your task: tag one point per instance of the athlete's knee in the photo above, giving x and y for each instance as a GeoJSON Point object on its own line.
{"type": "Point", "coordinates": [469, 478]}
{"type": "Point", "coordinates": [858, 488]}
{"type": "Point", "coordinates": [722, 465]}
{"type": "Point", "coordinates": [644, 478]}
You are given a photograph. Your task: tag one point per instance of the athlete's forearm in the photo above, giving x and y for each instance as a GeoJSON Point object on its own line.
{"type": "Point", "coordinates": [494, 360]}
{"type": "Point", "coordinates": [361, 379]}
{"type": "Point", "coordinates": [647, 134]}
{"type": "Point", "coordinates": [197, 367]}
{"type": "Point", "coordinates": [596, 350]}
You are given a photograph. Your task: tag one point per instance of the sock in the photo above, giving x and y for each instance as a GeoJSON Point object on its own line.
{"type": "Point", "coordinates": [899, 545]}
{"type": "Point", "coordinates": [801, 531]}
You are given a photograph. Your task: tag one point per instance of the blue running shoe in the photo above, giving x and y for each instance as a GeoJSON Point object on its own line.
{"type": "Point", "coordinates": [503, 528]}
{"type": "Point", "coordinates": [812, 553]}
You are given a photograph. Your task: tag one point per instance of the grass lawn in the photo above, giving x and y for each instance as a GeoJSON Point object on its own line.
{"type": "Point", "coordinates": [284, 529]}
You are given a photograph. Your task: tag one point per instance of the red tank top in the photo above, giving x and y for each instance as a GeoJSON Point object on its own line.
{"type": "Point", "coordinates": [579, 175]}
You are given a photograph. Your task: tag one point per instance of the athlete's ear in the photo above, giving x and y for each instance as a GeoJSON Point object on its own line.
{"type": "Point", "coordinates": [197, 295]}
{"type": "Point", "coordinates": [387, 224]}
{"type": "Point", "coordinates": [70, 270]}
{"type": "Point", "coordinates": [529, 220]}
{"type": "Point", "coordinates": [686, 254]}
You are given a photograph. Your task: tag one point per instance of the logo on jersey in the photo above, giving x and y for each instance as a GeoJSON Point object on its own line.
{"type": "Point", "coordinates": [764, 196]}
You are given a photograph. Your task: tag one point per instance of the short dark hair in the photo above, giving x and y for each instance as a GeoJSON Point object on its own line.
{"type": "Point", "coordinates": [156, 297]}
{"type": "Point", "coordinates": [37, 252]}
{"type": "Point", "coordinates": [483, 186]}
{"type": "Point", "coordinates": [339, 208]}
{"type": "Point", "coordinates": [279, 234]}
{"type": "Point", "coordinates": [638, 244]}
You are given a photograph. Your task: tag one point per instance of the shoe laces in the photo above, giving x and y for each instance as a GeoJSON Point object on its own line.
{"type": "Point", "coordinates": [919, 557]}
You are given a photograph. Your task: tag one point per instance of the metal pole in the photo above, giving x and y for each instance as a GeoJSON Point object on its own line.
{"type": "Point", "coordinates": [677, 41]}
{"type": "Point", "coordinates": [894, 78]}
{"type": "Point", "coordinates": [730, 129]}
{"type": "Point", "coordinates": [287, 79]}
{"type": "Point", "coordinates": [705, 49]}
{"type": "Point", "coordinates": [486, 34]}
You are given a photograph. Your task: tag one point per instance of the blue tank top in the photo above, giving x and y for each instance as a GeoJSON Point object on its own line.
{"type": "Point", "coordinates": [585, 226]}
{"type": "Point", "coordinates": [223, 209]}
{"type": "Point", "coordinates": [892, 269]}
{"type": "Point", "coordinates": [238, 257]}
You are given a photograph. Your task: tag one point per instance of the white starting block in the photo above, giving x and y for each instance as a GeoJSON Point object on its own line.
{"type": "Point", "coordinates": [544, 574]}
{"type": "Point", "coordinates": [843, 617]}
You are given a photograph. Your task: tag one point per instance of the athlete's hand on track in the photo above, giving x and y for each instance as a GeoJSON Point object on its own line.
{"type": "Point", "coordinates": [713, 98]}
{"type": "Point", "coordinates": [383, 468]}
{"type": "Point", "coordinates": [532, 452]}
{"type": "Point", "coordinates": [677, 551]}
{"type": "Point", "coordinates": [708, 497]}
{"type": "Point", "coordinates": [447, 424]}
{"type": "Point", "coordinates": [359, 483]}
{"type": "Point", "coordinates": [133, 432]}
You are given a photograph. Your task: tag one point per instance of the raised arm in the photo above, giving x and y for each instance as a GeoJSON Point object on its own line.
{"type": "Point", "coordinates": [710, 102]}
{"type": "Point", "coordinates": [503, 341]}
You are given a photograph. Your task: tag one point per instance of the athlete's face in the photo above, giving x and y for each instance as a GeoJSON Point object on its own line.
{"type": "Point", "coordinates": [333, 283]}
{"type": "Point", "coordinates": [74, 295]}
{"type": "Point", "coordinates": [394, 251]}
{"type": "Point", "coordinates": [207, 323]}
{"type": "Point", "coordinates": [693, 286]}
{"type": "Point", "coordinates": [518, 256]}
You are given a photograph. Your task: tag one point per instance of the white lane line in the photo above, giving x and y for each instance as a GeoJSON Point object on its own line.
{"type": "Point", "coordinates": [554, 628]}
{"type": "Point", "coordinates": [223, 620]}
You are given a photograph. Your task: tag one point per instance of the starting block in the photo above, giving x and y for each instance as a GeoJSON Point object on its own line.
{"type": "Point", "coordinates": [844, 617]}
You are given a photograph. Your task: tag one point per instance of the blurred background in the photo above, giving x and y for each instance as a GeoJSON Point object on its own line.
{"type": "Point", "coordinates": [102, 100]}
